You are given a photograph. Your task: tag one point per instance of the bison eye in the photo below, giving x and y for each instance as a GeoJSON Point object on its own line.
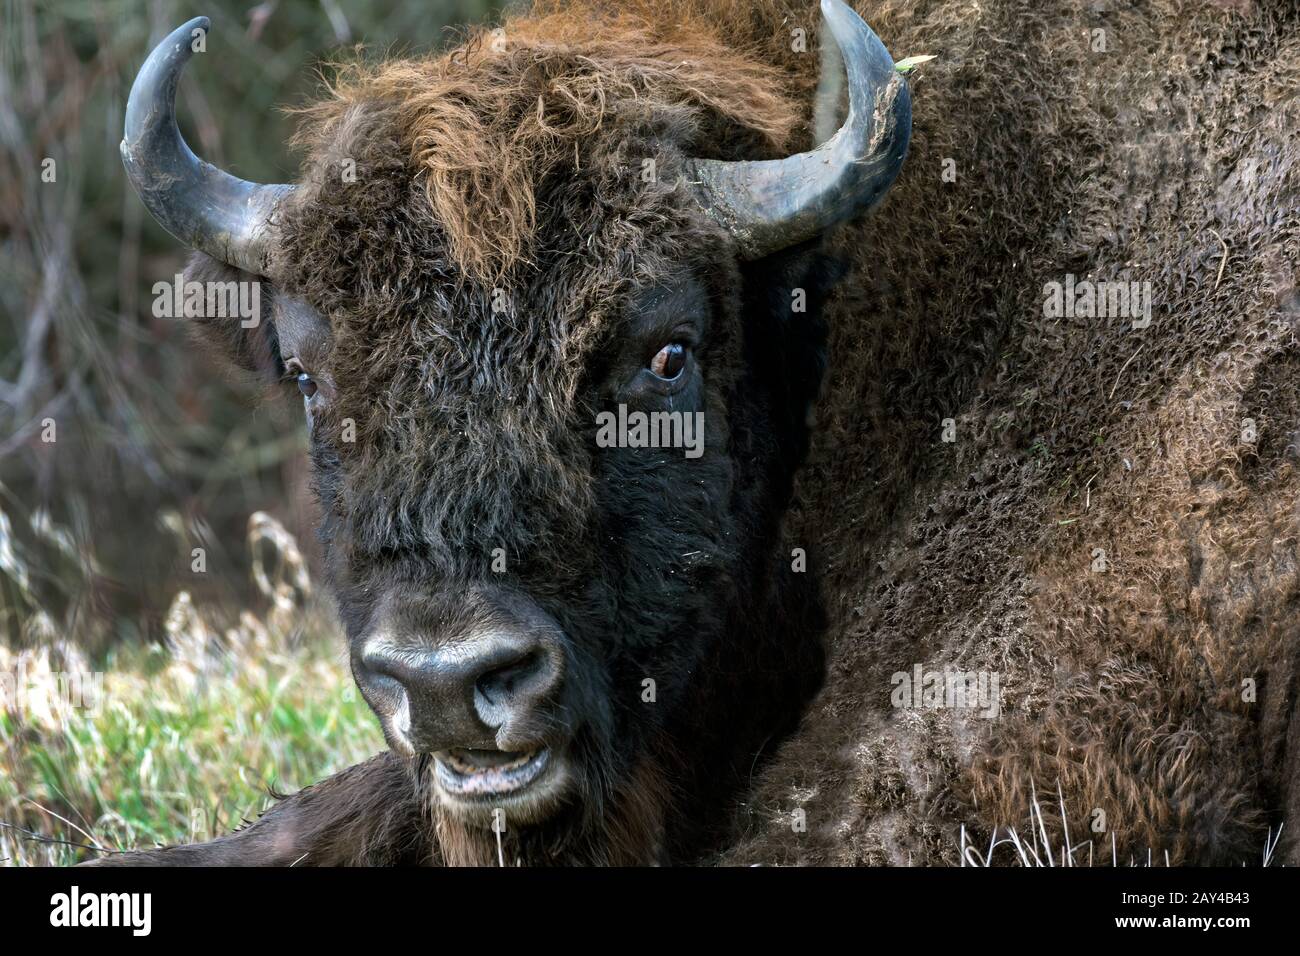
{"type": "Point", "coordinates": [306, 385]}
{"type": "Point", "coordinates": [669, 361]}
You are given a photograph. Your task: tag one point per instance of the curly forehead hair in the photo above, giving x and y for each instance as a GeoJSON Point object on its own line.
{"type": "Point", "coordinates": [483, 127]}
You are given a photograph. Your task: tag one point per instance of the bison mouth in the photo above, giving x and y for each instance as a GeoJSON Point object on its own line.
{"type": "Point", "coordinates": [488, 773]}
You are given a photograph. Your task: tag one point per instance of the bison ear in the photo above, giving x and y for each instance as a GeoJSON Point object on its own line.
{"type": "Point", "coordinates": [244, 341]}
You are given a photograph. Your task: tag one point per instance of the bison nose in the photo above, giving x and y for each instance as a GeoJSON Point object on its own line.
{"type": "Point", "coordinates": [469, 692]}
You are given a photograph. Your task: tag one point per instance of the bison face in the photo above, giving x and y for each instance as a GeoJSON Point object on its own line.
{"type": "Point", "coordinates": [547, 603]}
{"type": "Point", "coordinates": [551, 482]}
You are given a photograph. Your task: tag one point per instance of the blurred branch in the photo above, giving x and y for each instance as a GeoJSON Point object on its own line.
{"type": "Point", "coordinates": [42, 314]}
{"type": "Point", "coordinates": [342, 32]}
{"type": "Point", "coordinates": [258, 17]}
{"type": "Point", "coordinates": [24, 432]}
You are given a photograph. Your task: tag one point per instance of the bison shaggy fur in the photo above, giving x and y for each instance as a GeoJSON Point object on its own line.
{"type": "Point", "coordinates": [1154, 141]}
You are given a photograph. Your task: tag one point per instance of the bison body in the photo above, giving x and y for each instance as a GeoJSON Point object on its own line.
{"type": "Point", "coordinates": [1064, 503]}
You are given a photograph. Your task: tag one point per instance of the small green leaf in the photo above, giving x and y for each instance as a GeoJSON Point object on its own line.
{"type": "Point", "coordinates": [909, 64]}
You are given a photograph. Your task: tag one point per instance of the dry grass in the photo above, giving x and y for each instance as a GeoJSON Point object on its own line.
{"type": "Point", "coordinates": [179, 740]}
{"type": "Point", "coordinates": [1040, 849]}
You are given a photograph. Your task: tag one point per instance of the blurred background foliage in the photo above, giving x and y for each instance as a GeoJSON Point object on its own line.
{"type": "Point", "coordinates": [210, 688]}
{"type": "Point", "coordinates": [154, 452]}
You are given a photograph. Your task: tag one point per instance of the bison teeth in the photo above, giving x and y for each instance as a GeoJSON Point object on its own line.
{"type": "Point", "coordinates": [480, 773]}
{"type": "Point", "coordinates": [481, 761]}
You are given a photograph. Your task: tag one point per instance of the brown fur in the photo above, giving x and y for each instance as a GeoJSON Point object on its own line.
{"type": "Point", "coordinates": [1123, 687]}
{"type": "Point", "coordinates": [486, 123]}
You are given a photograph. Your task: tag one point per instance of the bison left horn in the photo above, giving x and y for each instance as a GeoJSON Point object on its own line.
{"type": "Point", "coordinates": [204, 207]}
{"type": "Point", "coordinates": [771, 204]}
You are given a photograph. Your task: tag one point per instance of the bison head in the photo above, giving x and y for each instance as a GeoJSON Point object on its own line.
{"type": "Point", "coordinates": [556, 368]}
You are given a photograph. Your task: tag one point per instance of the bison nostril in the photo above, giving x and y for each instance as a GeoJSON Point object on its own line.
{"type": "Point", "coordinates": [501, 685]}
{"type": "Point", "coordinates": [385, 669]}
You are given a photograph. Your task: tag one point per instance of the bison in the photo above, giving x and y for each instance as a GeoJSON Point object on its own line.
{"type": "Point", "coordinates": [1091, 513]}
{"type": "Point", "coordinates": [576, 636]}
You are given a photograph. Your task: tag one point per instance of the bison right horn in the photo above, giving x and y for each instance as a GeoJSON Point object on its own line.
{"type": "Point", "coordinates": [771, 204]}
{"type": "Point", "coordinates": [204, 207]}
